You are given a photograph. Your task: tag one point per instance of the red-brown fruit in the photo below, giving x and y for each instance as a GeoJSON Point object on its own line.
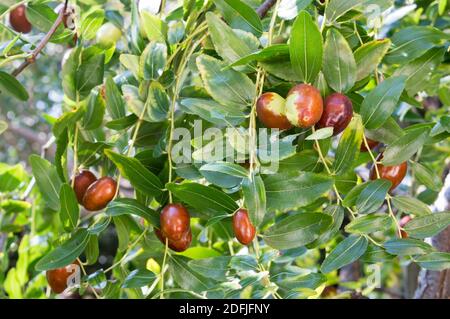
{"type": "Point", "coordinates": [243, 228]}
{"type": "Point", "coordinates": [271, 110]}
{"type": "Point", "coordinates": [176, 245]}
{"type": "Point", "coordinates": [403, 221]}
{"type": "Point", "coordinates": [337, 113]}
{"type": "Point", "coordinates": [99, 194]}
{"type": "Point", "coordinates": [372, 144]}
{"type": "Point", "coordinates": [57, 278]}
{"type": "Point", "coordinates": [175, 221]}
{"type": "Point", "coordinates": [395, 174]}
{"type": "Point", "coordinates": [18, 19]}
{"type": "Point", "coordinates": [82, 182]}
{"type": "Point", "coordinates": [304, 105]}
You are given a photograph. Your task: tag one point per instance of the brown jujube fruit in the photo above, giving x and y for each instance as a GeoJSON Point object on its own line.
{"type": "Point", "coordinates": [82, 181]}
{"type": "Point", "coordinates": [99, 194]}
{"type": "Point", "coordinates": [337, 113]}
{"type": "Point", "coordinates": [18, 19]}
{"type": "Point", "coordinates": [175, 221]}
{"type": "Point", "coordinates": [243, 228]}
{"type": "Point", "coordinates": [57, 278]}
{"type": "Point", "coordinates": [304, 105]}
{"type": "Point", "coordinates": [270, 109]}
{"type": "Point", "coordinates": [395, 174]}
{"type": "Point", "coordinates": [176, 245]}
{"type": "Point", "coordinates": [372, 144]}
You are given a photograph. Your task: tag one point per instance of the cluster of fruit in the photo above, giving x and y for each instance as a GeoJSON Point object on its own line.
{"type": "Point", "coordinates": [305, 108]}
{"type": "Point", "coordinates": [94, 194]}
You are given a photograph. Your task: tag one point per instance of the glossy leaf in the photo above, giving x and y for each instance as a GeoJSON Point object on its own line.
{"type": "Point", "coordinates": [9, 85]}
{"type": "Point", "coordinates": [405, 147]}
{"type": "Point", "coordinates": [69, 212]}
{"type": "Point", "coordinates": [428, 225]}
{"type": "Point", "coordinates": [407, 247]}
{"type": "Point", "coordinates": [411, 205]}
{"type": "Point", "coordinates": [347, 251]}
{"type": "Point", "coordinates": [47, 180]}
{"type": "Point", "coordinates": [349, 145]}
{"type": "Point", "coordinates": [369, 224]}
{"type": "Point", "coordinates": [125, 206]}
{"type": "Point", "coordinates": [240, 16]}
{"type": "Point", "coordinates": [373, 196]}
{"type": "Point", "coordinates": [297, 230]}
{"type": "Point", "coordinates": [255, 198]}
{"type": "Point", "coordinates": [368, 56]}
{"type": "Point", "coordinates": [306, 48]}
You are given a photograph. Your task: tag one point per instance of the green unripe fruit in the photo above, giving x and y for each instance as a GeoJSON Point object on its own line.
{"type": "Point", "coordinates": [108, 34]}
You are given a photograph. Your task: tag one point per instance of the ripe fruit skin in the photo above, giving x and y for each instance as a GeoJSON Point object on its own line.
{"type": "Point", "coordinates": [395, 173]}
{"type": "Point", "coordinates": [176, 245]}
{"type": "Point", "coordinates": [403, 221]}
{"type": "Point", "coordinates": [57, 278]}
{"type": "Point", "coordinates": [175, 221]}
{"type": "Point", "coordinates": [271, 109]}
{"type": "Point", "coordinates": [243, 228]}
{"type": "Point", "coordinates": [337, 113]}
{"type": "Point", "coordinates": [108, 34]}
{"type": "Point", "coordinates": [99, 194]}
{"type": "Point", "coordinates": [19, 21]}
{"type": "Point", "coordinates": [304, 105]}
{"type": "Point", "coordinates": [372, 144]}
{"type": "Point", "coordinates": [82, 182]}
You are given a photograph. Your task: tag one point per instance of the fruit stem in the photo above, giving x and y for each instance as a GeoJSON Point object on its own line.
{"type": "Point", "coordinates": [80, 263]}
{"type": "Point", "coordinates": [319, 150]}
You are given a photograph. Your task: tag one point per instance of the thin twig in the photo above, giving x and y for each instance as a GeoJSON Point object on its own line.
{"type": "Point", "coordinates": [32, 58]}
{"type": "Point", "coordinates": [265, 7]}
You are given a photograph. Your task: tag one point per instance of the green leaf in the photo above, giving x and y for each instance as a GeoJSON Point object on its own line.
{"type": "Point", "coordinates": [139, 278]}
{"type": "Point", "coordinates": [418, 71]}
{"type": "Point", "coordinates": [426, 176]}
{"type": "Point", "coordinates": [69, 72]}
{"type": "Point", "coordinates": [10, 86]}
{"type": "Point", "coordinates": [90, 74]}
{"type": "Point", "coordinates": [346, 252]}
{"type": "Point", "coordinates": [411, 205]}
{"type": "Point", "coordinates": [320, 134]}
{"type": "Point", "coordinates": [380, 103]}
{"type": "Point", "coordinates": [114, 101]}
{"type": "Point", "coordinates": [185, 277]}
{"type": "Point", "coordinates": [215, 267]}
{"type": "Point", "coordinates": [387, 133]}
{"type": "Point", "coordinates": [373, 196]}
{"type": "Point", "coordinates": [153, 61]}
{"type": "Point", "coordinates": [339, 66]}
{"type": "Point", "coordinates": [92, 250]}
{"type": "Point", "coordinates": [67, 120]}
{"type": "Point", "coordinates": [131, 63]}
{"type": "Point", "coordinates": [122, 226]}
{"type": "Point", "coordinates": [138, 175]}
{"type": "Point", "coordinates": [65, 254]}
{"type": "Point", "coordinates": [126, 206]}
{"type": "Point", "coordinates": [225, 168]}
{"type": "Point", "coordinates": [226, 42]}
{"type": "Point", "coordinates": [11, 177]}
{"type": "Point", "coordinates": [47, 180]}
{"type": "Point", "coordinates": [255, 198]}
{"type": "Point", "coordinates": [349, 145]}
{"type": "Point", "coordinates": [294, 189]}
{"type": "Point", "coordinates": [435, 261]}
{"type": "Point", "coordinates": [337, 213]}
{"type": "Point", "coordinates": [297, 230]}
{"type": "Point", "coordinates": [227, 87]}
{"type": "Point", "coordinates": [369, 224]}
{"type": "Point", "coordinates": [274, 52]}
{"type": "Point", "coordinates": [353, 194]}
{"type": "Point", "coordinates": [306, 47]}
{"type": "Point", "coordinates": [69, 212]}
{"type": "Point", "coordinates": [203, 198]}
{"type": "Point", "coordinates": [407, 247]}
{"type": "Point", "coordinates": [91, 23]}
{"type": "Point", "coordinates": [158, 103]}
{"type": "Point", "coordinates": [95, 111]}
{"type": "Point", "coordinates": [405, 147]}
{"type": "Point", "coordinates": [368, 56]}
{"type": "Point", "coordinates": [411, 42]}
{"type": "Point", "coordinates": [153, 27]}
{"type": "Point", "coordinates": [337, 8]}
{"type": "Point", "coordinates": [213, 112]}
{"type": "Point", "coordinates": [240, 16]}
{"type": "Point", "coordinates": [428, 225]}
{"type": "Point", "coordinates": [3, 127]}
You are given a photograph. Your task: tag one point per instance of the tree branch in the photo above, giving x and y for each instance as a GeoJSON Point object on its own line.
{"type": "Point", "coordinates": [31, 59]}
{"type": "Point", "coordinates": [265, 7]}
